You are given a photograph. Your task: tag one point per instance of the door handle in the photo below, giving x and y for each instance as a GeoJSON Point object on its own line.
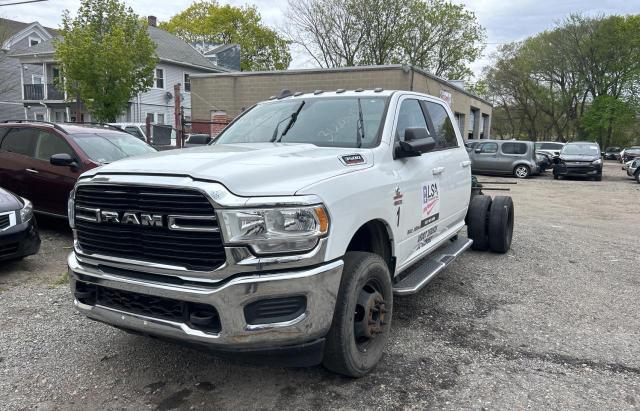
{"type": "Point", "coordinates": [465, 163]}
{"type": "Point", "coordinates": [437, 170]}
{"type": "Point", "coordinates": [31, 170]}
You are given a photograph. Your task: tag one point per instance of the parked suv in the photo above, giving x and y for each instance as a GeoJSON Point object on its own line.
{"type": "Point", "coordinates": [630, 153]}
{"type": "Point", "coordinates": [517, 158]}
{"type": "Point", "coordinates": [290, 234]}
{"type": "Point", "coordinates": [579, 159]}
{"type": "Point", "coordinates": [42, 161]}
{"type": "Point", "coordinates": [551, 148]}
{"type": "Point", "coordinates": [611, 153]}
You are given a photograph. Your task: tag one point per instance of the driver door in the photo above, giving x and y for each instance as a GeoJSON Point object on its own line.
{"type": "Point", "coordinates": [419, 211]}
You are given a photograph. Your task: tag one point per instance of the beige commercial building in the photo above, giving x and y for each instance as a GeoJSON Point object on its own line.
{"type": "Point", "coordinates": [231, 93]}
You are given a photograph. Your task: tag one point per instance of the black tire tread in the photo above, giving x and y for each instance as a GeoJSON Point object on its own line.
{"type": "Point", "coordinates": [477, 215]}
{"type": "Point", "coordinates": [335, 358]}
{"type": "Point", "coordinates": [499, 239]}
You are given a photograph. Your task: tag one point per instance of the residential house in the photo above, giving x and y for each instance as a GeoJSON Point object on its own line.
{"type": "Point", "coordinates": [178, 62]}
{"type": "Point", "coordinates": [16, 35]}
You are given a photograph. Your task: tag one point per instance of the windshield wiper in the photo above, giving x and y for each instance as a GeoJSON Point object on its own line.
{"type": "Point", "coordinates": [292, 119]}
{"type": "Point", "coordinates": [360, 132]}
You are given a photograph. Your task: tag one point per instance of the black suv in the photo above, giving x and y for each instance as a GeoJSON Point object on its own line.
{"type": "Point", "coordinates": [579, 159]}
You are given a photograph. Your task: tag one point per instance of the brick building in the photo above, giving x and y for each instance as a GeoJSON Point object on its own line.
{"type": "Point", "coordinates": [217, 95]}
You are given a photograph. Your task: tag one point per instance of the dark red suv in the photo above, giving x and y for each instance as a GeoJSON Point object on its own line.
{"type": "Point", "coordinates": [42, 161]}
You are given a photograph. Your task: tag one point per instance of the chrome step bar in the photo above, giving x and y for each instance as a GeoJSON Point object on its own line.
{"type": "Point", "coordinates": [425, 270]}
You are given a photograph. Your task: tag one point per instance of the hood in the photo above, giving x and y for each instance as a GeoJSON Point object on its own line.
{"type": "Point", "coordinates": [9, 201]}
{"type": "Point", "coordinates": [249, 169]}
{"type": "Point", "coordinates": [578, 157]}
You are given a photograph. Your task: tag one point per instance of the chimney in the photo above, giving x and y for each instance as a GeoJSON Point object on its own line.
{"type": "Point", "coordinates": [153, 21]}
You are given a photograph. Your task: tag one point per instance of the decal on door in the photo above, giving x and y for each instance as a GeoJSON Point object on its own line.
{"type": "Point", "coordinates": [426, 237]}
{"type": "Point", "coordinates": [430, 203]}
{"type": "Point", "coordinates": [352, 159]}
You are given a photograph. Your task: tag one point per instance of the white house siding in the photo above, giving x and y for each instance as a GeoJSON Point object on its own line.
{"type": "Point", "coordinates": [156, 100]}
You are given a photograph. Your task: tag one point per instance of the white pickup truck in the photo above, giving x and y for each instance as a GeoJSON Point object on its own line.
{"type": "Point", "coordinates": [287, 238]}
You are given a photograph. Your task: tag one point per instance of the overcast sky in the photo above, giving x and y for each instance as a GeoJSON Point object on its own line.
{"type": "Point", "coordinates": [505, 20]}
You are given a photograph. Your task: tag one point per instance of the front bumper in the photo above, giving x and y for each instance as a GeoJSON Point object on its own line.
{"type": "Point", "coordinates": [318, 284]}
{"type": "Point", "coordinates": [584, 169]}
{"type": "Point", "coordinates": [19, 241]}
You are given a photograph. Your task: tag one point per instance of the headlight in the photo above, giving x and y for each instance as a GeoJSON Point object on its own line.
{"type": "Point", "coordinates": [276, 230]}
{"type": "Point", "coordinates": [26, 212]}
{"type": "Point", "coordinates": [598, 161]}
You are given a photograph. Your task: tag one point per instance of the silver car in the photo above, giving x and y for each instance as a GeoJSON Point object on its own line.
{"type": "Point", "coordinates": [517, 158]}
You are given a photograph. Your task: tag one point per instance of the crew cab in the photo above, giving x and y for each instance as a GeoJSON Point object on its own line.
{"type": "Point", "coordinates": [287, 237]}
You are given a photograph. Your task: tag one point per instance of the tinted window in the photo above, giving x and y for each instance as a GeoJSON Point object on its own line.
{"type": "Point", "coordinates": [410, 116]}
{"type": "Point", "coordinates": [20, 140]}
{"type": "Point", "coordinates": [581, 149]}
{"type": "Point", "coordinates": [551, 146]}
{"type": "Point", "coordinates": [488, 148]}
{"type": "Point", "coordinates": [514, 148]}
{"type": "Point", "coordinates": [49, 144]}
{"type": "Point", "coordinates": [443, 128]}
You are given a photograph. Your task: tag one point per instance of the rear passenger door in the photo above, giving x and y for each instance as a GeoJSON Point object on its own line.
{"type": "Point", "coordinates": [16, 150]}
{"type": "Point", "coordinates": [483, 157]}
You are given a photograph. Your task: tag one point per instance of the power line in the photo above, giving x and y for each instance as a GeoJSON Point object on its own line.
{"type": "Point", "coordinates": [21, 2]}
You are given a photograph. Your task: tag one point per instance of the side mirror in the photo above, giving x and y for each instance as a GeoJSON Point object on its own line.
{"type": "Point", "coordinates": [417, 141]}
{"type": "Point", "coordinates": [556, 160]}
{"type": "Point", "coordinates": [478, 150]}
{"type": "Point", "coordinates": [63, 159]}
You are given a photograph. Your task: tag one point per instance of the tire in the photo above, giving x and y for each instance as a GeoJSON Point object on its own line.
{"type": "Point", "coordinates": [477, 218]}
{"type": "Point", "coordinates": [521, 171]}
{"type": "Point", "coordinates": [501, 224]}
{"type": "Point", "coordinates": [638, 176]}
{"type": "Point", "coordinates": [348, 350]}
{"type": "Point", "coordinates": [598, 177]}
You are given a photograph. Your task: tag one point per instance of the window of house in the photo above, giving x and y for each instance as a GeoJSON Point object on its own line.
{"type": "Point", "coordinates": [514, 148]}
{"type": "Point", "coordinates": [49, 144]}
{"type": "Point", "coordinates": [36, 79]}
{"type": "Point", "coordinates": [187, 82]}
{"type": "Point", "coordinates": [410, 116]}
{"type": "Point", "coordinates": [160, 119]}
{"type": "Point", "coordinates": [151, 117]}
{"type": "Point", "coordinates": [39, 117]}
{"type": "Point", "coordinates": [445, 135]}
{"type": "Point", "coordinates": [34, 41]}
{"type": "Point", "coordinates": [159, 79]}
{"type": "Point", "coordinates": [488, 148]}
{"type": "Point", "coordinates": [20, 141]}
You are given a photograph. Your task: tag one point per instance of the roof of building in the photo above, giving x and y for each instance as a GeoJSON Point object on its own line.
{"type": "Point", "coordinates": [168, 47]}
{"type": "Point", "coordinates": [11, 27]}
{"type": "Point", "coordinates": [405, 67]}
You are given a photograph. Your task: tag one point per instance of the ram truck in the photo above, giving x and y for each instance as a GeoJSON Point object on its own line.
{"type": "Point", "coordinates": [288, 236]}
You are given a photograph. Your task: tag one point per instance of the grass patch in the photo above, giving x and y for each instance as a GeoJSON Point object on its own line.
{"type": "Point", "coordinates": [62, 280]}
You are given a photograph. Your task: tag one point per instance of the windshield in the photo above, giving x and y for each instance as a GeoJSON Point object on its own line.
{"type": "Point", "coordinates": [109, 147]}
{"type": "Point", "coordinates": [325, 122]}
{"type": "Point", "coordinates": [581, 150]}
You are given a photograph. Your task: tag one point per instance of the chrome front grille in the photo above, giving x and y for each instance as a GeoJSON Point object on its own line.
{"type": "Point", "coordinates": [152, 224]}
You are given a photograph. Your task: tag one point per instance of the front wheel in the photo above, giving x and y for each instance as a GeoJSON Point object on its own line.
{"type": "Point", "coordinates": [638, 176]}
{"type": "Point", "coordinates": [362, 317]}
{"type": "Point", "coordinates": [521, 171]}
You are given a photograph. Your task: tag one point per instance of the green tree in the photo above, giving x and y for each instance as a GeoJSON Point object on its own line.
{"type": "Point", "coordinates": [261, 48]}
{"type": "Point", "coordinates": [106, 56]}
{"type": "Point", "coordinates": [608, 119]}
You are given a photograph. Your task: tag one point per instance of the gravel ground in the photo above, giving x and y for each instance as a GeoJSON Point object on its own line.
{"type": "Point", "coordinates": [552, 324]}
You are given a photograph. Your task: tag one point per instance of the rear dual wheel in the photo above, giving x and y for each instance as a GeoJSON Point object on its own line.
{"type": "Point", "coordinates": [490, 223]}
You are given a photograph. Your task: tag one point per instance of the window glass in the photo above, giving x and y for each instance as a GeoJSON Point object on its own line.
{"type": "Point", "coordinates": [187, 82]}
{"type": "Point", "coordinates": [489, 148]}
{"type": "Point", "coordinates": [325, 122]}
{"type": "Point", "coordinates": [410, 116]}
{"type": "Point", "coordinates": [514, 148]}
{"type": "Point", "coordinates": [108, 147]}
{"type": "Point", "coordinates": [581, 149]}
{"type": "Point", "coordinates": [20, 140]}
{"type": "Point", "coordinates": [442, 125]}
{"type": "Point", "coordinates": [550, 146]}
{"type": "Point", "coordinates": [159, 78]}
{"type": "Point", "coordinates": [160, 119]}
{"type": "Point", "coordinates": [49, 144]}
{"type": "Point", "coordinates": [133, 131]}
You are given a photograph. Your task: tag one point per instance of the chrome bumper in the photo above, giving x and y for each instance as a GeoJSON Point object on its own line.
{"type": "Point", "coordinates": [320, 285]}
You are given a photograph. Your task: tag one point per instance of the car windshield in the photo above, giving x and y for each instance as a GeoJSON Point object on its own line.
{"type": "Point", "coordinates": [108, 147]}
{"type": "Point", "coordinates": [325, 122]}
{"type": "Point", "coordinates": [581, 150]}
